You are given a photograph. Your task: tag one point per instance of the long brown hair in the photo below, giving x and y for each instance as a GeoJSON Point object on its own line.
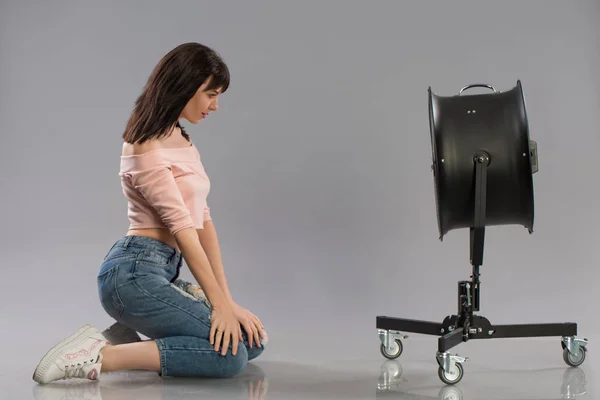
{"type": "Point", "coordinates": [173, 82]}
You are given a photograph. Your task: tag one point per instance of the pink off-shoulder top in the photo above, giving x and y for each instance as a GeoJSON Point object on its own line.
{"type": "Point", "coordinates": [166, 188]}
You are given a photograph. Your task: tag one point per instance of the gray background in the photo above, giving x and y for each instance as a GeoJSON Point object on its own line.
{"type": "Point", "coordinates": [319, 157]}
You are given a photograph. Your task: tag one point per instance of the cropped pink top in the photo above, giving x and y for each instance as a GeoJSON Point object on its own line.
{"type": "Point", "coordinates": [166, 188]}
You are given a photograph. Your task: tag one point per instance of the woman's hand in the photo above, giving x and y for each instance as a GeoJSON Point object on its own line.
{"type": "Point", "coordinates": [251, 324]}
{"type": "Point", "coordinates": [224, 329]}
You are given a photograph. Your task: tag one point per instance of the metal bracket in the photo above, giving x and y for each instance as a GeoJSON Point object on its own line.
{"type": "Point", "coordinates": [388, 338]}
{"type": "Point", "coordinates": [574, 345]}
{"type": "Point", "coordinates": [447, 361]}
{"type": "Point", "coordinates": [533, 152]}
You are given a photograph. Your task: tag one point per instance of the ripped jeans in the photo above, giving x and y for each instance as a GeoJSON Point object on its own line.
{"type": "Point", "coordinates": [139, 286]}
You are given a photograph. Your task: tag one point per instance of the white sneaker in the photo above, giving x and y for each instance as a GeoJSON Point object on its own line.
{"type": "Point", "coordinates": [78, 356]}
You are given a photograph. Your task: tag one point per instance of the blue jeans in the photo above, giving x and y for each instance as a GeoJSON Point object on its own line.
{"type": "Point", "coordinates": [139, 286]}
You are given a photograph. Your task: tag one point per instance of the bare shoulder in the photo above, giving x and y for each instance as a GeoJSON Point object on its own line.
{"type": "Point", "coordinates": [130, 149]}
{"type": "Point", "coordinates": [173, 140]}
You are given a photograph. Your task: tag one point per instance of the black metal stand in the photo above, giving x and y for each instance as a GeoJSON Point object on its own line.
{"type": "Point", "coordinates": [466, 325]}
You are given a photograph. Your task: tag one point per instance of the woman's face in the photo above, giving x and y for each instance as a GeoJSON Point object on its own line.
{"type": "Point", "coordinates": [201, 104]}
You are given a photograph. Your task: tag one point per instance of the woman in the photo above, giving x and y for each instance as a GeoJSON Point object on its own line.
{"type": "Point", "coordinates": [193, 331]}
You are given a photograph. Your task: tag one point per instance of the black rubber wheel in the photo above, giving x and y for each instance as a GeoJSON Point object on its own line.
{"type": "Point", "coordinates": [396, 351]}
{"type": "Point", "coordinates": [451, 377]}
{"type": "Point", "coordinates": [574, 360]}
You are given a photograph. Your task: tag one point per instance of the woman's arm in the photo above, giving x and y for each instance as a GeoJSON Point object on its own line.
{"type": "Point", "coordinates": [200, 266]}
{"type": "Point", "coordinates": [210, 242]}
{"type": "Point", "coordinates": [224, 324]}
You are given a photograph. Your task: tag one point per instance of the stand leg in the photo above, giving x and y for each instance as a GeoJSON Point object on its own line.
{"type": "Point", "coordinates": [450, 340]}
{"type": "Point", "coordinates": [529, 330]}
{"type": "Point", "coordinates": [409, 325]}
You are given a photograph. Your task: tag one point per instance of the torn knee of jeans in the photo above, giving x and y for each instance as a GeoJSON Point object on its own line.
{"type": "Point", "coordinates": [181, 284]}
{"type": "Point", "coordinates": [191, 291]}
{"type": "Point", "coordinates": [264, 340]}
{"type": "Point", "coordinates": [183, 292]}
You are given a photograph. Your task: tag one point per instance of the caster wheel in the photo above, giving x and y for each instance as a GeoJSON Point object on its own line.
{"type": "Point", "coordinates": [453, 376]}
{"type": "Point", "coordinates": [572, 359]}
{"type": "Point", "coordinates": [394, 351]}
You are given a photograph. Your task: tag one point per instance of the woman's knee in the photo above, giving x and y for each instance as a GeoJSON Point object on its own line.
{"type": "Point", "coordinates": [255, 351]}
{"type": "Point", "coordinates": [234, 364]}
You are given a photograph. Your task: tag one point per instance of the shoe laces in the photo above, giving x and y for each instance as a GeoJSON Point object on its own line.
{"type": "Point", "coordinates": [76, 370]}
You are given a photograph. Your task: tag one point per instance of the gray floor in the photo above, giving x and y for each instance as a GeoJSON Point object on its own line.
{"type": "Point", "coordinates": [341, 368]}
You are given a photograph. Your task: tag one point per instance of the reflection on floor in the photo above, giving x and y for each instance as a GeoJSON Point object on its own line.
{"type": "Point", "coordinates": [572, 386]}
{"type": "Point", "coordinates": [347, 368]}
{"type": "Point", "coordinates": [280, 380]}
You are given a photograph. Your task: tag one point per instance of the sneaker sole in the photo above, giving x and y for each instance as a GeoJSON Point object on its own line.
{"type": "Point", "coordinates": [48, 359]}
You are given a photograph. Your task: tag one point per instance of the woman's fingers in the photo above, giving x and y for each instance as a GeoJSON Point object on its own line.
{"type": "Point", "coordinates": [258, 321]}
{"type": "Point", "coordinates": [218, 338]}
{"type": "Point", "coordinates": [226, 340]}
{"type": "Point", "coordinates": [249, 333]}
{"type": "Point", "coordinates": [256, 334]}
{"type": "Point", "coordinates": [234, 341]}
{"type": "Point", "coordinates": [211, 335]}
{"type": "Point", "coordinates": [259, 327]}
{"type": "Point", "coordinates": [252, 329]}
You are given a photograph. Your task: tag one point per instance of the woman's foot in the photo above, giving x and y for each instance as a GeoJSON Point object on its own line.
{"type": "Point", "coordinates": [77, 356]}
